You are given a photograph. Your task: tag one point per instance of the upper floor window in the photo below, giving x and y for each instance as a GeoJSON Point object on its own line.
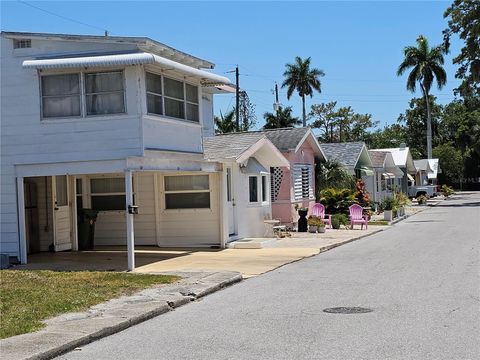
{"type": "Point", "coordinates": [173, 98]}
{"type": "Point", "coordinates": [104, 93]}
{"type": "Point", "coordinates": [22, 43]}
{"type": "Point", "coordinates": [101, 94]}
{"type": "Point", "coordinates": [61, 95]}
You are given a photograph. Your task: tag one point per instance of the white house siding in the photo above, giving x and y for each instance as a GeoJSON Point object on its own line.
{"type": "Point", "coordinates": [190, 227]}
{"type": "Point", "coordinates": [25, 139]}
{"type": "Point", "coordinates": [207, 115]}
{"type": "Point", "coordinates": [175, 228]}
{"type": "Point", "coordinates": [250, 217]}
{"type": "Point", "coordinates": [175, 135]}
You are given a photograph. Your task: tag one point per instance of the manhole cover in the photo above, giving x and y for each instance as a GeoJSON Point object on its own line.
{"type": "Point", "coordinates": [347, 310]}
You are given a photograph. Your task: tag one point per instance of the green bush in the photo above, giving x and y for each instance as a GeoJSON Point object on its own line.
{"type": "Point", "coordinates": [388, 203]}
{"type": "Point", "coordinates": [315, 221]}
{"type": "Point", "coordinates": [337, 201]}
{"type": "Point", "coordinates": [447, 190]}
{"type": "Point", "coordinates": [339, 219]}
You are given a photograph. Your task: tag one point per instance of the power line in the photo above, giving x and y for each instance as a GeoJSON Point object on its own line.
{"type": "Point", "coordinates": [63, 17]}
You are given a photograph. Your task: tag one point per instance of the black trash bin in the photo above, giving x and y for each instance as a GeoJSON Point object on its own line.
{"type": "Point", "coordinates": [86, 219]}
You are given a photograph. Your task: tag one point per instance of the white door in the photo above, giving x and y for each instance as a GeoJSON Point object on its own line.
{"type": "Point", "coordinates": [61, 213]}
{"type": "Point", "coordinates": [230, 202]}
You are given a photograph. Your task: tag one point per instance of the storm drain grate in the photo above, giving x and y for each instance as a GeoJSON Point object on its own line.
{"type": "Point", "coordinates": [347, 310]}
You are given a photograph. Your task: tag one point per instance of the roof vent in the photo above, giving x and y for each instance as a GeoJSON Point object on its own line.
{"type": "Point", "coordinates": [403, 146]}
{"type": "Point", "coordinates": [22, 43]}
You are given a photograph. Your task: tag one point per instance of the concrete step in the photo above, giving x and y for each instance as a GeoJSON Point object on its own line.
{"type": "Point", "coordinates": [251, 243]}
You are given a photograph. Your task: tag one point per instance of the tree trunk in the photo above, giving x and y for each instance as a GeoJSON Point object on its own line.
{"type": "Point", "coordinates": [303, 111]}
{"type": "Point", "coordinates": [429, 124]}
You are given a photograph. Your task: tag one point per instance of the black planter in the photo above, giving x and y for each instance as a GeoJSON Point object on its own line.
{"type": "Point", "coordinates": [302, 221]}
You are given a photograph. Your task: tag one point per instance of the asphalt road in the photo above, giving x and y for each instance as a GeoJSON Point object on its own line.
{"type": "Point", "coordinates": [420, 278]}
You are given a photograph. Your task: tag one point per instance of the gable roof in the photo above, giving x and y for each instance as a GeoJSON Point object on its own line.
{"type": "Point", "coordinates": [422, 165]}
{"type": "Point", "coordinates": [402, 157]}
{"type": "Point", "coordinates": [291, 139]}
{"type": "Point", "coordinates": [378, 157]}
{"type": "Point", "coordinates": [229, 146]}
{"type": "Point", "coordinates": [287, 138]}
{"type": "Point", "coordinates": [347, 153]}
{"type": "Point", "coordinates": [239, 147]}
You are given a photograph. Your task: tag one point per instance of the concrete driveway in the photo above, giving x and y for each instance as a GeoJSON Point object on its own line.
{"type": "Point", "coordinates": [249, 262]}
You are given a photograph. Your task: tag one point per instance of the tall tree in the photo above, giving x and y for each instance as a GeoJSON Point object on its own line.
{"type": "Point", "coordinates": [464, 20]}
{"type": "Point", "coordinates": [225, 123]}
{"type": "Point", "coordinates": [281, 119]}
{"type": "Point", "coordinates": [414, 120]}
{"type": "Point", "coordinates": [427, 64]}
{"type": "Point", "coordinates": [303, 79]}
{"type": "Point", "coordinates": [323, 116]}
{"type": "Point", "coordinates": [248, 119]}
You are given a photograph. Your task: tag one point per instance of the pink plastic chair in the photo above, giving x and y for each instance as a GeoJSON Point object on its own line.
{"type": "Point", "coordinates": [319, 210]}
{"type": "Point", "coordinates": [357, 217]}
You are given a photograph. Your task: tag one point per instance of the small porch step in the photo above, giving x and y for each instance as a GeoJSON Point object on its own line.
{"type": "Point", "coordinates": [251, 243]}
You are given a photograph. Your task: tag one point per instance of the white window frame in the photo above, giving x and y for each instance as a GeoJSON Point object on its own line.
{"type": "Point", "coordinates": [166, 192]}
{"type": "Point", "coordinates": [261, 194]}
{"type": "Point", "coordinates": [265, 196]}
{"type": "Point", "coordinates": [163, 96]}
{"type": "Point", "coordinates": [259, 197]}
{"type": "Point", "coordinates": [83, 96]}
{"type": "Point", "coordinates": [91, 194]}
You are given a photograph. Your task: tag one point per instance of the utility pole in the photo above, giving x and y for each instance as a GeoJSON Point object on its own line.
{"type": "Point", "coordinates": [237, 98]}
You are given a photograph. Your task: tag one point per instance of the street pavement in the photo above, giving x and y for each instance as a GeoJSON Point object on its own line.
{"type": "Point", "coordinates": [420, 279]}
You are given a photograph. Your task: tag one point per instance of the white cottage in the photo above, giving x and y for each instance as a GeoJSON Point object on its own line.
{"type": "Point", "coordinates": [109, 123]}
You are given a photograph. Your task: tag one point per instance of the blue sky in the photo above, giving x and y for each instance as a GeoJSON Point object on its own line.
{"type": "Point", "coordinates": [357, 44]}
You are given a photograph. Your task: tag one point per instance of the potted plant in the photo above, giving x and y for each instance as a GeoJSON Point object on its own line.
{"type": "Point", "coordinates": [339, 219]}
{"type": "Point", "coordinates": [447, 190]}
{"type": "Point", "coordinates": [313, 222]}
{"type": "Point", "coordinates": [388, 205]}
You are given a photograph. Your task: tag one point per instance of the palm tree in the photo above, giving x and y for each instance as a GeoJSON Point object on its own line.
{"type": "Point", "coordinates": [299, 77]}
{"type": "Point", "coordinates": [282, 119]}
{"type": "Point", "coordinates": [427, 64]}
{"type": "Point", "coordinates": [225, 124]}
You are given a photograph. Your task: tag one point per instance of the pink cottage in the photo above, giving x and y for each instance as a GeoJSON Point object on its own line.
{"type": "Point", "coordinates": [294, 187]}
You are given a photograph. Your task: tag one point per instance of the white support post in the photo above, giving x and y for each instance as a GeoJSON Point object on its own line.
{"type": "Point", "coordinates": [21, 221]}
{"type": "Point", "coordinates": [130, 228]}
{"type": "Point", "coordinates": [222, 188]}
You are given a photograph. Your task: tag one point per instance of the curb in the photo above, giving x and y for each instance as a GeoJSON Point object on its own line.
{"type": "Point", "coordinates": [127, 313]}
{"type": "Point", "coordinates": [332, 246]}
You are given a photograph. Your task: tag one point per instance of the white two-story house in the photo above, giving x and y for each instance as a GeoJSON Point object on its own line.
{"type": "Point", "coordinates": [111, 124]}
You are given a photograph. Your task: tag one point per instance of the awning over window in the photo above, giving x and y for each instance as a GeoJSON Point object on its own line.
{"type": "Point", "coordinates": [207, 78]}
{"type": "Point", "coordinates": [253, 167]}
{"type": "Point", "coordinates": [387, 176]}
{"type": "Point", "coordinates": [364, 171]}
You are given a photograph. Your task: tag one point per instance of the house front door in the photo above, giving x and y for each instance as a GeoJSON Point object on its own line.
{"type": "Point", "coordinates": [61, 214]}
{"type": "Point", "coordinates": [230, 201]}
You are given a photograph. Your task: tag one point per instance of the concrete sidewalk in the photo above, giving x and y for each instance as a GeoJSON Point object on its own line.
{"type": "Point", "coordinates": [68, 331]}
{"type": "Point", "coordinates": [253, 262]}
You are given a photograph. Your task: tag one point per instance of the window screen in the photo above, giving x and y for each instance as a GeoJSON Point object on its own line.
{"type": "Point", "coordinates": [60, 95]}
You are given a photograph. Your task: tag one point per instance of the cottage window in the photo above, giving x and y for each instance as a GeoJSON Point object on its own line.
{"type": "Point", "coordinates": [104, 93]}
{"type": "Point", "coordinates": [187, 192]}
{"type": "Point", "coordinates": [108, 193]}
{"type": "Point", "coordinates": [264, 188]}
{"type": "Point", "coordinates": [253, 189]}
{"type": "Point", "coordinates": [154, 94]}
{"type": "Point", "coordinates": [172, 98]}
{"type": "Point", "coordinates": [60, 95]}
